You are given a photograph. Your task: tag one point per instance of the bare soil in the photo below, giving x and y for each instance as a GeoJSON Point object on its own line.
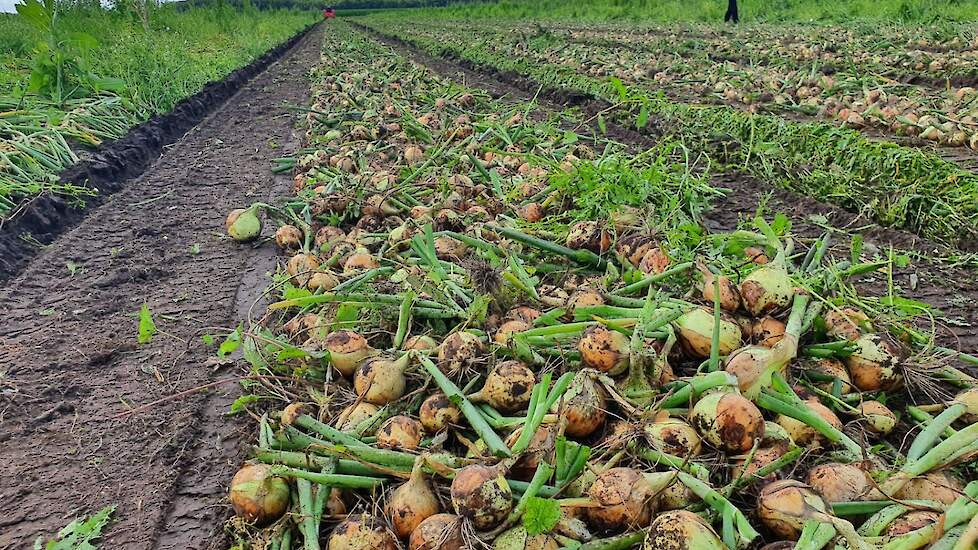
{"type": "Point", "coordinates": [70, 367]}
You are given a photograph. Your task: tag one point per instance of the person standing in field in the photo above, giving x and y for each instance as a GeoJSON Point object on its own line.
{"type": "Point", "coordinates": [731, 12]}
{"type": "Point", "coordinates": [329, 13]}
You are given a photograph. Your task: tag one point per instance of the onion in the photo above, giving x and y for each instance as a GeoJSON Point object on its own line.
{"type": "Point", "coordinates": [875, 365]}
{"type": "Point", "coordinates": [654, 261]}
{"type": "Point", "coordinates": [347, 350]}
{"type": "Point", "coordinates": [481, 494]}
{"type": "Point", "coordinates": [695, 332]}
{"type": "Point", "coordinates": [507, 330]}
{"type": "Point", "coordinates": [243, 224]}
{"type": "Point", "coordinates": [784, 507]}
{"type": "Point", "coordinates": [301, 267]}
{"type": "Point", "coordinates": [845, 323]}
{"type": "Point", "coordinates": [524, 313]}
{"type": "Point", "coordinates": [588, 235]}
{"type": "Point", "coordinates": [438, 532]}
{"type": "Point", "coordinates": [671, 493]}
{"type": "Point", "coordinates": [939, 485]}
{"type": "Point", "coordinates": [634, 247]}
{"type": "Point", "coordinates": [532, 212]}
{"type": "Point", "coordinates": [411, 503]}
{"type": "Point", "coordinates": [727, 421]}
{"type": "Point", "coordinates": [767, 289]}
{"type": "Point", "coordinates": [749, 364]}
{"type": "Point", "coordinates": [518, 539]}
{"type": "Point", "coordinates": [361, 532]}
{"type": "Point", "coordinates": [774, 434]}
{"type": "Point", "coordinates": [399, 432]}
{"type": "Point", "coordinates": [681, 530]}
{"type": "Point", "coordinates": [969, 398]}
{"type": "Point", "coordinates": [322, 280]}
{"type": "Point", "coordinates": [359, 261]}
{"type": "Point", "coordinates": [257, 496]}
{"type": "Point", "coordinates": [763, 456]}
{"type": "Point", "coordinates": [911, 521]}
{"type": "Point", "coordinates": [459, 349]}
{"type": "Point", "coordinates": [829, 367]}
{"type": "Point", "coordinates": [837, 482]}
{"type": "Point", "coordinates": [729, 293]}
{"type": "Point", "coordinates": [624, 500]}
{"type": "Point", "coordinates": [673, 436]}
{"type": "Point", "coordinates": [438, 412]}
{"type": "Point", "coordinates": [604, 349]}
{"type": "Point", "coordinates": [420, 343]}
{"type": "Point", "coordinates": [380, 380]}
{"type": "Point", "coordinates": [582, 406]}
{"type": "Point", "coordinates": [541, 450]}
{"type": "Point", "coordinates": [879, 418]}
{"type": "Point", "coordinates": [448, 247]}
{"type": "Point", "coordinates": [507, 388]}
{"type": "Point", "coordinates": [352, 416]}
{"type": "Point", "coordinates": [288, 237]}
{"type": "Point", "coordinates": [804, 435]}
{"type": "Point", "coordinates": [583, 298]}
{"type": "Point", "coordinates": [767, 331]}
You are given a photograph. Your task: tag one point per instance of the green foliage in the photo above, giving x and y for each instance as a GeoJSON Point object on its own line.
{"type": "Point", "coordinates": [541, 515]}
{"type": "Point", "coordinates": [147, 328]}
{"type": "Point", "coordinates": [79, 534]}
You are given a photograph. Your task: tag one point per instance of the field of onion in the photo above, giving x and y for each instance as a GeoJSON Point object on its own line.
{"type": "Point", "coordinates": [492, 328]}
{"type": "Point", "coordinates": [834, 117]}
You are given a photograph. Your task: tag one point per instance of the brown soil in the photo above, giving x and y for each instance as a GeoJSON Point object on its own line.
{"type": "Point", "coordinates": [69, 361]}
{"type": "Point", "coordinates": [953, 290]}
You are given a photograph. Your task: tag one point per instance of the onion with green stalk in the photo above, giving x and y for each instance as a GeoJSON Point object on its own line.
{"type": "Point", "coordinates": [257, 495]}
{"type": "Point", "coordinates": [380, 380]}
{"type": "Point", "coordinates": [784, 507]}
{"type": "Point", "coordinates": [623, 498]}
{"type": "Point", "coordinates": [459, 350]}
{"type": "Point", "coordinates": [604, 349]}
{"type": "Point", "coordinates": [438, 412]}
{"type": "Point", "coordinates": [583, 406]}
{"type": "Point", "coordinates": [399, 432]}
{"type": "Point", "coordinates": [694, 330]}
{"type": "Point", "coordinates": [507, 387]}
{"type": "Point", "coordinates": [347, 350]}
{"type": "Point", "coordinates": [411, 503]}
{"type": "Point", "coordinates": [244, 224]}
{"type": "Point", "coordinates": [681, 530]}
{"type": "Point", "coordinates": [518, 538]}
{"type": "Point", "coordinates": [876, 363]}
{"type": "Point", "coordinates": [482, 495]}
{"type": "Point", "coordinates": [838, 482]}
{"type": "Point", "coordinates": [673, 436]}
{"type": "Point", "coordinates": [728, 421]}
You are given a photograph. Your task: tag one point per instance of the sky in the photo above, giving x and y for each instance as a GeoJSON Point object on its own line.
{"type": "Point", "coordinates": [7, 6]}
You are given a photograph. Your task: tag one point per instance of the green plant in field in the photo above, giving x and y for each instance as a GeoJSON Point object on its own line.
{"type": "Point", "coordinates": [59, 70]}
{"type": "Point", "coordinates": [79, 534]}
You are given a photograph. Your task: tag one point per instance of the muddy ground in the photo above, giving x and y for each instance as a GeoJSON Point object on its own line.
{"type": "Point", "coordinates": [952, 290]}
{"type": "Point", "coordinates": [70, 366]}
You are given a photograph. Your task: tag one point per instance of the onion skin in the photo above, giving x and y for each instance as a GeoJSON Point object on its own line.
{"type": "Point", "coordinates": [361, 532]}
{"type": "Point", "coordinates": [681, 530]}
{"type": "Point", "coordinates": [804, 435]}
{"type": "Point", "coordinates": [458, 350]}
{"type": "Point", "coordinates": [767, 331]}
{"type": "Point", "coordinates": [507, 330]}
{"type": "Point", "coordinates": [845, 324]}
{"type": "Point", "coordinates": [766, 290]}
{"type": "Point", "coordinates": [748, 364]}
{"type": "Point", "coordinates": [762, 457]}
{"type": "Point", "coordinates": [673, 436]}
{"type": "Point", "coordinates": [379, 380]}
{"type": "Point", "coordinates": [879, 419]}
{"type": "Point", "coordinates": [541, 450]}
{"type": "Point", "coordinates": [400, 433]}
{"type": "Point", "coordinates": [911, 521]}
{"type": "Point", "coordinates": [288, 237]}
{"type": "Point", "coordinates": [654, 261]}
{"type": "Point", "coordinates": [695, 332]}
{"type": "Point", "coordinates": [508, 387]}
{"type": "Point", "coordinates": [420, 343]}
{"type": "Point", "coordinates": [438, 532]}
{"type": "Point", "coordinates": [604, 349]}
{"type": "Point", "coordinates": [244, 225]}
{"type": "Point", "coordinates": [784, 507]}
{"type": "Point", "coordinates": [588, 235]}
{"type": "Point", "coordinates": [829, 367]}
{"type": "Point", "coordinates": [625, 499]}
{"type": "Point", "coordinates": [257, 496]}
{"type": "Point", "coordinates": [875, 366]}
{"type": "Point", "coordinates": [438, 412]}
{"type": "Point", "coordinates": [582, 407]}
{"type": "Point", "coordinates": [518, 539]}
{"type": "Point", "coordinates": [347, 350]}
{"type": "Point", "coordinates": [940, 486]}
{"type": "Point", "coordinates": [837, 482]}
{"type": "Point", "coordinates": [729, 293]}
{"type": "Point", "coordinates": [410, 504]}
{"type": "Point", "coordinates": [353, 415]}
{"type": "Point", "coordinates": [727, 421]}
{"type": "Point", "coordinates": [481, 494]}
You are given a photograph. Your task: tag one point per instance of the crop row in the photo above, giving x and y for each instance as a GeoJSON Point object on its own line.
{"type": "Point", "coordinates": [895, 185]}
{"type": "Point", "coordinates": [57, 102]}
{"type": "Point", "coordinates": [489, 330]}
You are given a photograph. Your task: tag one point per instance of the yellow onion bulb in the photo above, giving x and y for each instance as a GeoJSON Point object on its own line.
{"type": "Point", "coordinates": [506, 331]}
{"type": "Point", "coordinates": [361, 532]}
{"type": "Point", "coordinates": [541, 450]}
{"type": "Point", "coordinates": [804, 435]}
{"type": "Point", "coordinates": [838, 482]}
{"type": "Point", "coordinates": [879, 418]}
{"type": "Point", "coordinates": [244, 225]}
{"type": "Point", "coordinates": [459, 350]}
{"type": "Point", "coordinates": [681, 530]}
{"type": "Point", "coordinates": [829, 366]}
{"type": "Point", "coordinates": [380, 380]}
{"type": "Point", "coordinates": [784, 507]}
{"type": "Point", "coordinates": [672, 494]}
{"type": "Point", "coordinates": [438, 412]}
{"type": "Point", "coordinates": [624, 500]}
{"type": "Point", "coordinates": [727, 421]}
{"type": "Point", "coordinates": [420, 343]}
{"type": "Point", "coordinates": [604, 349]}
{"type": "Point", "coordinates": [481, 494]}
{"type": "Point", "coordinates": [411, 503]}
{"type": "Point", "coordinates": [399, 432]}
{"type": "Point", "coordinates": [438, 532]}
{"type": "Point", "coordinates": [695, 333]}
{"type": "Point", "coordinates": [846, 324]}
{"type": "Point", "coordinates": [766, 290]}
{"type": "Point", "coordinates": [301, 267]}
{"type": "Point", "coordinates": [911, 521]}
{"type": "Point", "coordinates": [582, 406]}
{"type": "Point", "coordinates": [748, 364]}
{"type": "Point", "coordinates": [347, 350]}
{"type": "Point", "coordinates": [352, 416]}
{"type": "Point", "coordinates": [767, 331]}
{"type": "Point", "coordinates": [875, 365]}
{"type": "Point", "coordinates": [589, 235]}
{"type": "Point", "coordinates": [673, 436]}
{"type": "Point", "coordinates": [763, 456]}
{"type": "Point", "coordinates": [939, 485]}
{"type": "Point", "coordinates": [257, 496]}
{"type": "Point", "coordinates": [508, 387]}
{"type": "Point", "coordinates": [518, 538]}
{"type": "Point", "coordinates": [288, 237]}
{"type": "Point", "coordinates": [729, 293]}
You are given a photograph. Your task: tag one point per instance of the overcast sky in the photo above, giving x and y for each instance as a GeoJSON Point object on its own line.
{"type": "Point", "coordinates": [7, 6]}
